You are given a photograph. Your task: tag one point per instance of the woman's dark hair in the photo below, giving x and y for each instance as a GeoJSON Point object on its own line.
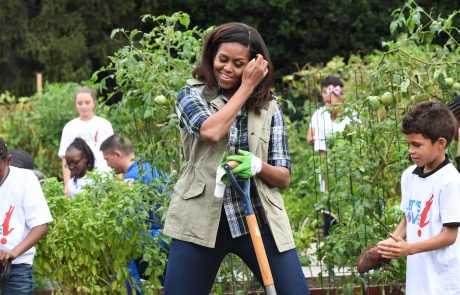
{"type": "Point", "coordinates": [331, 80]}
{"type": "Point", "coordinates": [3, 149]}
{"type": "Point", "coordinates": [79, 144]}
{"type": "Point", "coordinates": [247, 36]}
{"type": "Point", "coordinates": [454, 106]}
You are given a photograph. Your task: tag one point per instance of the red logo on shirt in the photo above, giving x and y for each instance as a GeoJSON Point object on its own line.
{"type": "Point", "coordinates": [6, 225]}
{"type": "Point", "coordinates": [423, 217]}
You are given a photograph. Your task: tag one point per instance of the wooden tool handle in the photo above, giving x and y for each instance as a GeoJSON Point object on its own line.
{"type": "Point", "coordinates": [260, 250]}
{"type": "Point", "coordinates": [233, 164]}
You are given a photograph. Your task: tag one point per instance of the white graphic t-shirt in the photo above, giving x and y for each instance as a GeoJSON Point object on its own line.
{"type": "Point", "coordinates": [428, 203]}
{"type": "Point", "coordinates": [22, 207]}
{"type": "Point", "coordinates": [93, 132]}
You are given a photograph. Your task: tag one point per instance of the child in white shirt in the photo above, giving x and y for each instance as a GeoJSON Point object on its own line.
{"type": "Point", "coordinates": [79, 159]}
{"type": "Point", "coordinates": [430, 203]}
{"type": "Point", "coordinates": [25, 215]}
{"type": "Point", "coordinates": [91, 128]}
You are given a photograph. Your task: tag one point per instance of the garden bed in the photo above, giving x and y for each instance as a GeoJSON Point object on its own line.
{"type": "Point", "coordinates": [369, 290]}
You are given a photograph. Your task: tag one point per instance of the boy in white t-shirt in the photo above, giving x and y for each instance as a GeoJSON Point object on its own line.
{"type": "Point", "coordinates": [25, 215]}
{"type": "Point", "coordinates": [430, 201]}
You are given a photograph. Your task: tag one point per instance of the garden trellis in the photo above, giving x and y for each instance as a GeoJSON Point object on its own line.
{"type": "Point", "coordinates": [362, 167]}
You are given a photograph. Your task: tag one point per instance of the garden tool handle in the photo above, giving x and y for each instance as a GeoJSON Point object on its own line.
{"type": "Point", "coordinates": [254, 232]}
{"type": "Point", "coordinates": [261, 255]}
{"type": "Point", "coordinates": [233, 164]}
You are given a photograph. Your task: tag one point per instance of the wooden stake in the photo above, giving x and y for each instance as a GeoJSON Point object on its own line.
{"type": "Point", "coordinates": [38, 79]}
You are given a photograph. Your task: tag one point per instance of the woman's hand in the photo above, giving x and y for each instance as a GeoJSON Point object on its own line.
{"type": "Point", "coordinates": [255, 71]}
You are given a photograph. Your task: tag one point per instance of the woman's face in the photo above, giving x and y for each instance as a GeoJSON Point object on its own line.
{"type": "Point", "coordinates": [76, 162]}
{"type": "Point", "coordinates": [85, 105]}
{"type": "Point", "coordinates": [229, 63]}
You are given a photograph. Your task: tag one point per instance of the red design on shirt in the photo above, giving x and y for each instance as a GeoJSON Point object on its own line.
{"type": "Point", "coordinates": [95, 137]}
{"type": "Point", "coordinates": [423, 221]}
{"type": "Point", "coordinates": [6, 224]}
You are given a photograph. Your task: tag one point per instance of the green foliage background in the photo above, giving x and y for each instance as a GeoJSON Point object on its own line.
{"type": "Point", "coordinates": [69, 40]}
{"type": "Point", "coordinates": [366, 160]}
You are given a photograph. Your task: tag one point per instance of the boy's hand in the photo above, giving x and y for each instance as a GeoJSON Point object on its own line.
{"type": "Point", "coordinates": [6, 255]}
{"type": "Point", "coordinates": [249, 166]}
{"type": "Point", "coordinates": [393, 248]}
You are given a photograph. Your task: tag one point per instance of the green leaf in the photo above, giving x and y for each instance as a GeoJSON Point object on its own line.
{"type": "Point", "coordinates": [416, 18]}
{"type": "Point", "coordinates": [404, 85]}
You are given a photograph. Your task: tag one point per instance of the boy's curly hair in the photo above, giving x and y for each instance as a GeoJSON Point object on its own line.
{"type": "Point", "coordinates": [431, 119]}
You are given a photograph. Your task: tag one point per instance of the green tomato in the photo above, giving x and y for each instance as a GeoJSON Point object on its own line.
{"type": "Point", "coordinates": [449, 81]}
{"type": "Point", "coordinates": [375, 102]}
{"type": "Point", "coordinates": [386, 99]}
{"type": "Point", "coordinates": [160, 99]}
{"type": "Point", "coordinates": [456, 86]}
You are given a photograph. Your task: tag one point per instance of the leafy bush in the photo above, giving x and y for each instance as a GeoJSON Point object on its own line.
{"type": "Point", "coordinates": [148, 73]}
{"type": "Point", "coordinates": [35, 123]}
{"type": "Point", "coordinates": [95, 235]}
{"type": "Point", "coordinates": [39, 120]}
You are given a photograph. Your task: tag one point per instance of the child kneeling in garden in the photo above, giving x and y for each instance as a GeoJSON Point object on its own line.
{"type": "Point", "coordinates": [26, 217]}
{"type": "Point", "coordinates": [430, 200]}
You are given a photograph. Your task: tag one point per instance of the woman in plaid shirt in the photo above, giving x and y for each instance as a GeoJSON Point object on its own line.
{"type": "Point", "coordinates": [229, 106]}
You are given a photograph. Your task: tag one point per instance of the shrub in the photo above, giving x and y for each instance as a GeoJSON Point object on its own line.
{"type": "Point", "coordinates": [94, 236]}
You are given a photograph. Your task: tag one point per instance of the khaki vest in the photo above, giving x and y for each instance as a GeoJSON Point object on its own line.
{"type": "Point", "coordinates": [194, 211]}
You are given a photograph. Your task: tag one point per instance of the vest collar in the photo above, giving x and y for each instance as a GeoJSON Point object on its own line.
{"type": "Point", "coordinates": [210, 94]}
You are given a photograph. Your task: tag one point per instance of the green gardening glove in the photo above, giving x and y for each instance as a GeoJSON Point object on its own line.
{"type": "Point", "coordinates": [249, 166]}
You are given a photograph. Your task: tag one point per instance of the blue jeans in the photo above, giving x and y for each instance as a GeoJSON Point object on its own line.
{"type": "Point", "coordinates": [20, 282]}
{"type": "Point", "coordinates": [192, 269]}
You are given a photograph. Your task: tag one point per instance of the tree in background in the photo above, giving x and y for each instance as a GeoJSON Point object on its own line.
{"type": "Point", "coordinates": [69, 40]}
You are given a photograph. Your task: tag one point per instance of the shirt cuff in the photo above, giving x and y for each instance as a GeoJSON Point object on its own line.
{"type": "Point", "coordinates": [452, 224]}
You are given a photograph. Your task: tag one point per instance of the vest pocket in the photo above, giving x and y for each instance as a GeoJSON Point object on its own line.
{"type": "Point", "coordinates": [265, 134]}
{"type": "Point", "coordinates": [271, 194]}
{"type": "Point", "coordinates": [276, 199]}
{"type": "Point", "coordinates": [191, 190]}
